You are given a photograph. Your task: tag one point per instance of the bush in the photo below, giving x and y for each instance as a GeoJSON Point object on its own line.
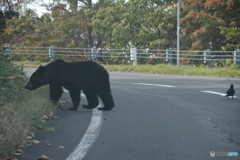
{"type": "Point", "coordinates": [11, 79]}
{"type": "Point", "coordinates": [21, 111]}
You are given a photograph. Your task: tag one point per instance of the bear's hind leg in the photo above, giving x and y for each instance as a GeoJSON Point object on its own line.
{"type": "Point", "coordinates": [107, 100]}
{"type": "Point", "coordinates": [75, 95]}
{"type": "Point", "coordinates": [91, 98]}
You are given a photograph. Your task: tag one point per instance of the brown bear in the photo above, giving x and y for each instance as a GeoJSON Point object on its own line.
{"type": "Point", "coordinates": [88, 76]}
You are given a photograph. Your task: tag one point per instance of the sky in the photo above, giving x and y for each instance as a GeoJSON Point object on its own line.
{"type": "Point", "coordinates": [39, 9]}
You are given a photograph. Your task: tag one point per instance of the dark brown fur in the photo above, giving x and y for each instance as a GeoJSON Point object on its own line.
{"type": "Point", "coordinates": [88, 76]}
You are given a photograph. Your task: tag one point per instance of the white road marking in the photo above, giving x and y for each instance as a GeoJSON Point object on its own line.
{"type": "Point", "coordinates": [221, 94]}
{"type": "Point", "coordinates": [148, 84]}
{"type": "Point", "coordinates": [90, 135]}
{"type": "Point", "coordinates": [82, 95]}
{"type": "Point", "coordinates": [65, 90]}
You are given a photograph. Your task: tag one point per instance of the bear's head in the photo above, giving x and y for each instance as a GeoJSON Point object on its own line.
{"type": "Point", "coordinates": [37, 79]}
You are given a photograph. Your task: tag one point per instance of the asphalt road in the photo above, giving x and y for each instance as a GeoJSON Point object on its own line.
{"type": "Point", "coordinates": [156, 117]}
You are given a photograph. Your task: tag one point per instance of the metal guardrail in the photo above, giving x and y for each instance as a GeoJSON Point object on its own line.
{"type": "Point", "coordinates": [132, 55]}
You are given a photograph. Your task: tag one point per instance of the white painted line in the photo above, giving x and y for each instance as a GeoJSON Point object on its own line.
{"type": "Point", "coordinates": [90, 135]}
{"type": "Point", "coordinates": [148, 84]}
{"type": "Point", "coordinates": [217, 93]}
{"type": "Point", "coordinates": [221, 94]}
{"type": "Point", "coordinates": [65, 90]}
{"type": "Point", "coordinates": [82, 95]}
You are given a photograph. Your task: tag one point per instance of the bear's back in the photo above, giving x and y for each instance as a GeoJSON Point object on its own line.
{"type": "Point", "coordinates": [80, 68]}
{"type": "Point", "coordinates": [88, 66]}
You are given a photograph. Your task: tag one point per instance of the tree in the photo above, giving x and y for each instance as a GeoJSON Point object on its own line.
{"type": "Point", "coordinates": [230, 27]}
{"type": "Point", "coordinates": [107, 22]}
{"type": "Point", "coordinates": [14, 6]}
{"type": "Point", "coordinates": [141, 23]}
{"type": "Point", "coordinates": [116, 23]}
{"type": "Point", "coordinates": [62, 28]}
{"type": "Point", "coordinates": [87, 6]}
{"type": "Point", "coordinates": [205, 25]}
{"type": "Point", "coordinates": [122, 24]}
{"type": "Point", "coordinates": [20, 29]}
{"type": "Point", "coordinates": [8, 10]}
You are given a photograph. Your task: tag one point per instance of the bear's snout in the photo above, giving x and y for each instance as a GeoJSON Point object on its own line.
{"type": "Point", "coordinates": [29, 87]}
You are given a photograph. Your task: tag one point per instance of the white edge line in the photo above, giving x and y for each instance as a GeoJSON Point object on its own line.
{"type": "Point", "coordinates": [217, 93]}
{"type": "Point", "coordinates": [65, 90]}
{"type": "Point", "coordinates": [90, 135]}
{"type": "Point", "coordinates": [148, 84]}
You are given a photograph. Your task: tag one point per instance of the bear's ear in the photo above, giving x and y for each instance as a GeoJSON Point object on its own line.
{"type": "Point", "coordinates": [41, 70]}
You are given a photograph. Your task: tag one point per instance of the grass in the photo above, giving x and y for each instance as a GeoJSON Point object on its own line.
{"type": "Point", "coordinates": [22, 116]}
{"type": "Point", "coordinates": [181, 70]}
{"type": "Point", "coordinates": [29, 64]}
{"type": "Point", "coordinates": [231, 71]}
{"type": "Point", "coordinates": [21, 112]}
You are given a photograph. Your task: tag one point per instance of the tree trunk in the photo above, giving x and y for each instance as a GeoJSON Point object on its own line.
{"type": "Point", "coordinates": [89, 29]}
{"type": "Point", "coordinates": [90, 38]}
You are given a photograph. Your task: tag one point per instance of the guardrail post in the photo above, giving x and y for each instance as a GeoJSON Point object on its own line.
{"type": "Point", "coordinates": [9, 51]}
{"type": "Point", "coordinates": [236, 58]}
{"type": "Point", "coordinates": [169, 55]}
{"type": "Point", "coordinates": [133, 52]}
{"type": "Point", "coordinates": [51, 53]}
{"type": "Point", "coordinates": [207, 57]}
{"type": "Point", "coordinates": [94, 53]}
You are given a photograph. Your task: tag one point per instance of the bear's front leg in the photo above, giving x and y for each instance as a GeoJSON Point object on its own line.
{"type": "Point", "coordinates": [75, 95]}
{"type": "Point", "coordinates": [55, 93]}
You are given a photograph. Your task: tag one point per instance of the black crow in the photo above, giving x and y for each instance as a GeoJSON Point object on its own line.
{"type": "Point", "coordinates": [230, 91]}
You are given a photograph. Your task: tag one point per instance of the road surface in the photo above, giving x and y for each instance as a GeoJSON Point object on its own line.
{"type": "Point", "coordinates": [163, 117]}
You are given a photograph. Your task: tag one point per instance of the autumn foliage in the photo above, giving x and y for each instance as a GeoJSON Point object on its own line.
{"type": "Point", "coordinates": [205, 24]}
{"type": "Point", "coordinates": [211, 24]}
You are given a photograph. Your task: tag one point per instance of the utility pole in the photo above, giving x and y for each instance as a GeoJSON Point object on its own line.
{"type": "Point", "coordinates": [178, 30]}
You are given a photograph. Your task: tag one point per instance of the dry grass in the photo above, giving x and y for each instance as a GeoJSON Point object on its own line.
{"type": "Point", "coordinates": [181, 70]}
{"type": "Point", "coordinates": [230, 71]}
{"type": "Point", "coordinates": [22, 116]}
{"type": "Point", "coordinates": [21, 112]}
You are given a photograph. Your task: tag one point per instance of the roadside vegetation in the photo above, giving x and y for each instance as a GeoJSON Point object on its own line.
{"type": "Point", "coordinates": [29, 64]}
{"type": "Point", "coordinates": [231, 71]}
{"type": "Point", "coordinates": [227, 71]}
{"type": "Point", "coordinates": [21, 112]}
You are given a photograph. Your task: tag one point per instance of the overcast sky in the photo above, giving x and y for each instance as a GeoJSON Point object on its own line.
{"type": "Point", "coordinates": [39, 9]}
